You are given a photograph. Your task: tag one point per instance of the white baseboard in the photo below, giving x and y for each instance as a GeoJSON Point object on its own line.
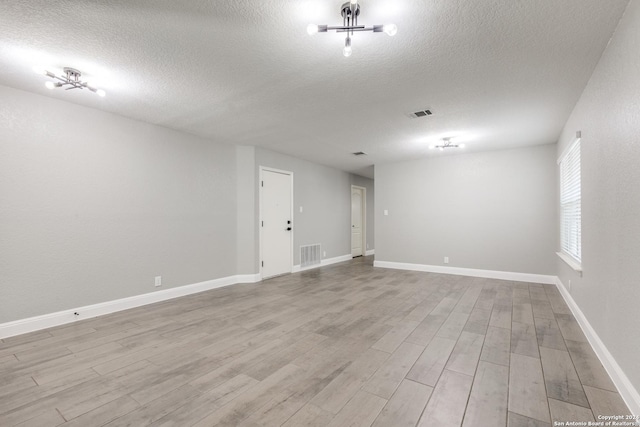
{"type": "Point", "coordinates": [370, 252]}
{"type": "Point", "coordinates": [248, 278]}
{"type": "Point", "coordinates": [628, 392]}
{"type": "Point", "coordinates": [488, 274]}
{"type": "Point", "coordinates": [36, 323]}
{"type": "Point", "coordinates": [328, 261]}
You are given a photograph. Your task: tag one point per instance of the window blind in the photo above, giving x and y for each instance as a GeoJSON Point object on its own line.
{"type": "Point", "coordinates": [570, 203]}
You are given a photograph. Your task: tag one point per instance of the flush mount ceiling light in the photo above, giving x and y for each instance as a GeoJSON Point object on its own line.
{"type": "Point", "coordinates": [446, 143]}
{"type": "Point", "coordinates": [350, 12]}
{"type": "Point", "coordinates": [71, 78]}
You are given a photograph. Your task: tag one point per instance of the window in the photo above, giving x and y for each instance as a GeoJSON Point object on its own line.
{"type": "Point", "coordinates": [570, 206]}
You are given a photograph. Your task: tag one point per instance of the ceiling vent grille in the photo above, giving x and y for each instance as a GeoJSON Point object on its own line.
{"type": "Point", "coordinates": [422, 113]}
{"type": "Point", "coordinates": [359, 153]}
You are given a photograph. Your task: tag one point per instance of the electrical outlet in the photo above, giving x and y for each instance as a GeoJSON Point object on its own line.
{"type": "Point", "coordinates": [386, 212]}
{"type": "Point", "coordinates": [446, 260]}
{"type": "Point", "coordinates": [158, 281]}
{"type": "Point", "coordinates": [300, 209]}
{"type": "Point", "coordinates": [324, 254]}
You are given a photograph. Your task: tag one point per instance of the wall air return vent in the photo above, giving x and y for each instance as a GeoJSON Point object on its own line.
{"type": "Point", "coordinates": [310, 255]}
{"type": "Point", "coordinates": [421, 113]}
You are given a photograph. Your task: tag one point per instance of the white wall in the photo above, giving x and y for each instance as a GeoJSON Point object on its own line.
{"type": "Point", "coordinates": [247, 225]}
{"type": "Point", "coordinates": [94, 205]}
{"type": "Point", "coordinates": [608, 114]}
{"type": "Point", "coordinates": [491, 211]}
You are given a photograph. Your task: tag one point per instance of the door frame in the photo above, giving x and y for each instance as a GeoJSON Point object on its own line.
{"type": "Point", "coordinates": [260, 238]}
{"type": "Point", "coordinates": [364, 218]}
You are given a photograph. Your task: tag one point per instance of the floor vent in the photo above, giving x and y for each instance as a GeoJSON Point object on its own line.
{"type": "Point", "coordinates": [310, 255]}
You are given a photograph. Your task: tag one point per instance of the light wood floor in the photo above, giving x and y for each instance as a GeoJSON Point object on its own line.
{"type": "Point", "coordinates": [339, 346]}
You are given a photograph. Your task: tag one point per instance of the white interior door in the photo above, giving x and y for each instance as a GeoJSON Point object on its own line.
{"type": "Point", "coordinates": [357, 221]}
{"type": "Point", "coordinates": [276, 223]}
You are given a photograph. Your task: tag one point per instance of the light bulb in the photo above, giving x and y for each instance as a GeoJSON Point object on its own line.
{"type": "Point", "coordinates": [354, 1]}
{"type": "Point", "coordinates": [461, 145]}
{"type": "Point", "coordinates": [347, 47]}
{"type": "Point", "coordinates": [101, 92]}
{"type": "Point", "coordinates": [441, 148]}
{"type": "Point", "coordinates": [312, 29]}
{"type": "Point", "coordinates": [390, 29]}
{"type": "Point", "coordinates": [50, 85]}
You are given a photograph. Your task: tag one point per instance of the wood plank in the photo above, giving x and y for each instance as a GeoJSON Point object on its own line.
{"type": "Point", "coordinates": [452, 327]}
{"type": "Point", "coordinates": [426, 330]}
{"type": "Point", "coordinates": [105, 413]}
{"type": "Point", "coordinates": [155, 410]}
{"type": "Point", "coordinates": [335, 395]}
{"type": "Point", "coordinates": [405, 406]}
{"type": "Point", "coordinates": [310, 416]}
{"type": "Point", "coordinates": [542, 310]}
{"type": "Point", "coordinates": [248, 401]}
{"type": "Point", "coordinates": [431, 362]}
{"type": "Point", "coordinates": [522, 313]}
{"type": "Point", "coordinates": [501, 316]}
{"type": "Point", "coordinates": [50, 417]}
{"type": "Point", "coordinates": [570, 328]}
{"type": "Point", "coordinates": [392, 339]}
{"type": "Point", "coordinates": [362, 410]}
{"type": "Point", "coordinates": [517, 420]}
{"type": "Point", "coordinates": [524, 340]}
{"type": "Point", "coordinates": [448, 401]}
{"type": "Point", "coordinates": [527, 394]}
{"type": "Point", "coordinates": [549, 334]}
{"type": "Point", "coordinates": [497, 346]}
{"type": "Point", "coordinates": [488, 400]}
{"type": "Point", "coordinates": [588, 366]}
{"type": "Point", "coordinates": [561, 378]}
{"type": "Point", "coordinates": [604, 402]}
{"type": "Point", "coordinates": [386, 379]}
{"type": "Point", "coordinates": [563, 412]}
{"type": "Point", "coordinates": [478, 321]}
{"type": "Point", "coordinates": [465, 355]}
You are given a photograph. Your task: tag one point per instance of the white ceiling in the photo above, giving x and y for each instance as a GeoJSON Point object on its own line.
{"type": "Point", "coordinates": [498, 73]}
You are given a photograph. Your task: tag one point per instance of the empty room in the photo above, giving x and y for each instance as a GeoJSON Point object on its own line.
{"type": "Point", "coordinates": [320, 213]}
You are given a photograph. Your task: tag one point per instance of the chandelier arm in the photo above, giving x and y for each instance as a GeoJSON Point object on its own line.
{"type": "Point", "coordinates": [352, 29]}
{"type": "Point", "coordinates": [62, 79]}
{"type": "Point", "coordinates": [344, 27]}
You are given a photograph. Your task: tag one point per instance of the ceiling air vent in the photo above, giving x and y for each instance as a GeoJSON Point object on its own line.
{"type": "Point", "coordinates": [359, 153]}
{"type": "Point", "coordinates": [422, 113]}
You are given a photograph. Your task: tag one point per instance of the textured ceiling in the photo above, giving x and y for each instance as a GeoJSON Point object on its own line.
{"type": "Point", "coordinates": [497, 73]}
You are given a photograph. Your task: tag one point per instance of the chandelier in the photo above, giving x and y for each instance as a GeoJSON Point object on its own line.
{"type": "Point", "coordinates": [70, 78]}
{"type": "Point", "coordinates": [350, 12]}
{"type": "Point", "coordinates": [446, 143]}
